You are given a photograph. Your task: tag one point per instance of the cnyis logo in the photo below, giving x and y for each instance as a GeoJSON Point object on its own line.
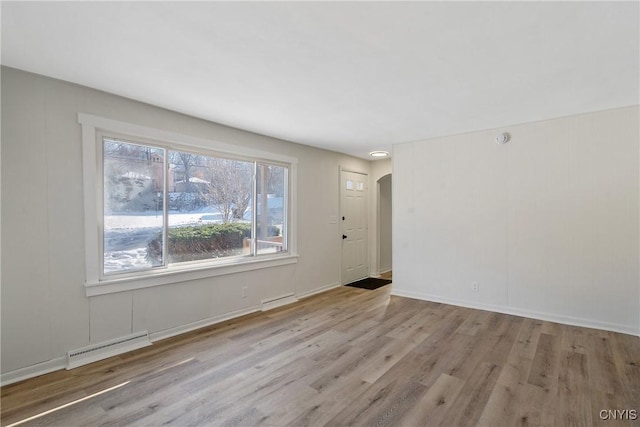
{"type": "Point", "coordinates": [619, 414]}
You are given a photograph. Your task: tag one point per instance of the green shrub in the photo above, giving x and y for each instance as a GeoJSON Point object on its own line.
{"type": "Point", "coordinates": [202, 242]}
{"type": "Point", "coordinates": [272, 231]}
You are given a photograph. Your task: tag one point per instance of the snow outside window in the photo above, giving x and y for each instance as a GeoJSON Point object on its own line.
{"type": "Point", "coordinates": [163, 206]}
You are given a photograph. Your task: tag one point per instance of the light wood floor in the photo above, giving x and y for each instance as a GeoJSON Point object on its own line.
{"type": "Point", "coordinates": [350, 356]}
{"type": "Point", "coordinates": [388, 275]}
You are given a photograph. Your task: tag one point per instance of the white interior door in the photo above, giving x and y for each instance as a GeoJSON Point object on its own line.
{"type": "Point", "coordinates": [353, 206]}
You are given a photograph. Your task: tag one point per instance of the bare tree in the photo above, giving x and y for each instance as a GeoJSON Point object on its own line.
{"type": "Point", "coordinates": [229, 186]}
{"type": "Point", "coordinates": [129, 176]}
{"type": "Point", "coordinates": [133, 157]}
{"type": "Point", "coordinates": [185, 163]}
{"type": "Point", "coordinates": [275, 180]}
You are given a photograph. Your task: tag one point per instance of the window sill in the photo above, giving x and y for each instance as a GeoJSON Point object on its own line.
{"type": "Point", "coordinates": [177, 274]}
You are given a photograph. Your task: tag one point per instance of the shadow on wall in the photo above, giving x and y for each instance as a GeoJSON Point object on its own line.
{"type": "Point", "coordinates": [384, 224]}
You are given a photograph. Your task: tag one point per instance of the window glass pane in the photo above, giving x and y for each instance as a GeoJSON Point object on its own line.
{"type": "Point", "coordinates": [271, 214]}
{"type": "Point", "coordinates": [210, 203]}
{"type": "Point", "coordinates": [163, 206]}
{"type": "Point", "coordinates": [133, 206]}
{"type": "Point", "coordinates": [349, 184]}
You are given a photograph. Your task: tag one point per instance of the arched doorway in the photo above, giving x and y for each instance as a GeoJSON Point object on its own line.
{"type": "Point", "coordinates": [385, 260]}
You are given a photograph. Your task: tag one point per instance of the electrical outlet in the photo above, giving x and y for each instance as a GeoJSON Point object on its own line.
{"type": "Point", "coordinates": [244, 292]}
{"type": "Point", "coordinates": [475, 286]}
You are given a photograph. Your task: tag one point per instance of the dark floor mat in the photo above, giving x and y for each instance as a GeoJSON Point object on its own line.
{"type": "Point", "coordinates": [370, 283]}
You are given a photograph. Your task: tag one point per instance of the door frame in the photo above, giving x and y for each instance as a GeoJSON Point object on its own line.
{"type": "Point", "coordinates": [379, 271]}
{"type": "Point", "coordinates": [366, 213]}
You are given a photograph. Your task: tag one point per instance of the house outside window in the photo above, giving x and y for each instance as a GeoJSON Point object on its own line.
{"type": "Point", "coordinates": [164, 207]}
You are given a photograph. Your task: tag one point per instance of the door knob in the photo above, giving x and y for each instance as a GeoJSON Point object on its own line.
{"type": "Point", "coordinates": [344, 236]}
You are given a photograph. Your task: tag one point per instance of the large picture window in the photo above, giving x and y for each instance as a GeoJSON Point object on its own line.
{"type": "Point", "coordinates": [163, 206]}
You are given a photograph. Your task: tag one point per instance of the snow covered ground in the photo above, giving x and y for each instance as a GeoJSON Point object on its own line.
{"type": "Point", "coordinates": [133, 259]}
{"type": "Point", "coordinates": [144, 220]}
{"type": "Point", "coordinates": [126, 236]}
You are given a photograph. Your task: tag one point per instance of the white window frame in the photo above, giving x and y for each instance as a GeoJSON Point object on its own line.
{"type": "Point", "coordinates": [97, 284]}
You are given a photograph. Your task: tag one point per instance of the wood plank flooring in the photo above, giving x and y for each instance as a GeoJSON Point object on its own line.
{"type": "Point", "coordinates": [351, 357]}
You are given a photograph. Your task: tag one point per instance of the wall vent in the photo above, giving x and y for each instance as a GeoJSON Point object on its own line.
{"type": "Point", "coordinates": [105, 349]}
{"type": "Point", "coordinates": [278, 302]}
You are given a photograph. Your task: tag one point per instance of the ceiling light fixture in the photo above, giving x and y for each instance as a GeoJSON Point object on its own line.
{"type": "Point", "coordinates": [379, 154]}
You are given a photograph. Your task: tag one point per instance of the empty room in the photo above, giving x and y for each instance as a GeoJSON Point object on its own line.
{"type": "Point", "coordinates": [320, 213]}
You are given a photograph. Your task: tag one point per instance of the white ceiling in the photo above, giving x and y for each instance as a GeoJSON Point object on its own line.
{"type": "Point", "coordinates": [351, 77]}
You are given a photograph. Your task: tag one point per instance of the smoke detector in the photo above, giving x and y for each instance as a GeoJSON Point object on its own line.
{"type": "Point", "coordinates": [503, 138]}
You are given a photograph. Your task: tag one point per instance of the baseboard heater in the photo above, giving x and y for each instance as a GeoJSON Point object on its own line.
{"type": "Point", "coordinates": [105, 349]}
{"type": "Point", "coordinates": [278, 302]}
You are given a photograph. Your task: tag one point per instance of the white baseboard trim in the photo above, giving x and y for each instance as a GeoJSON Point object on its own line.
{"type": "Point", "coordinates": [33, 370]}
{"type": "Point", "coordinates": [276, 302]}
{"type": "Point", "coordinates": [61, 362]}
{"type": "Point", "coordinates": [172, 332]}
{"type": "Point", "coordinates": [318, 290]}
{"type": "Point", "coordinates": [550, 317]}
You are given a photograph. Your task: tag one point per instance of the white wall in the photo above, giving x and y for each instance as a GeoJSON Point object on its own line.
{"type": "Point", "coordinates": [44, 308]}
{"type": "Point", "coordinates": [546, 224]}
{"type": "Point", "coordinates": [385, 226]}
{"type": "Point", "coordinates": [379, 168]}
